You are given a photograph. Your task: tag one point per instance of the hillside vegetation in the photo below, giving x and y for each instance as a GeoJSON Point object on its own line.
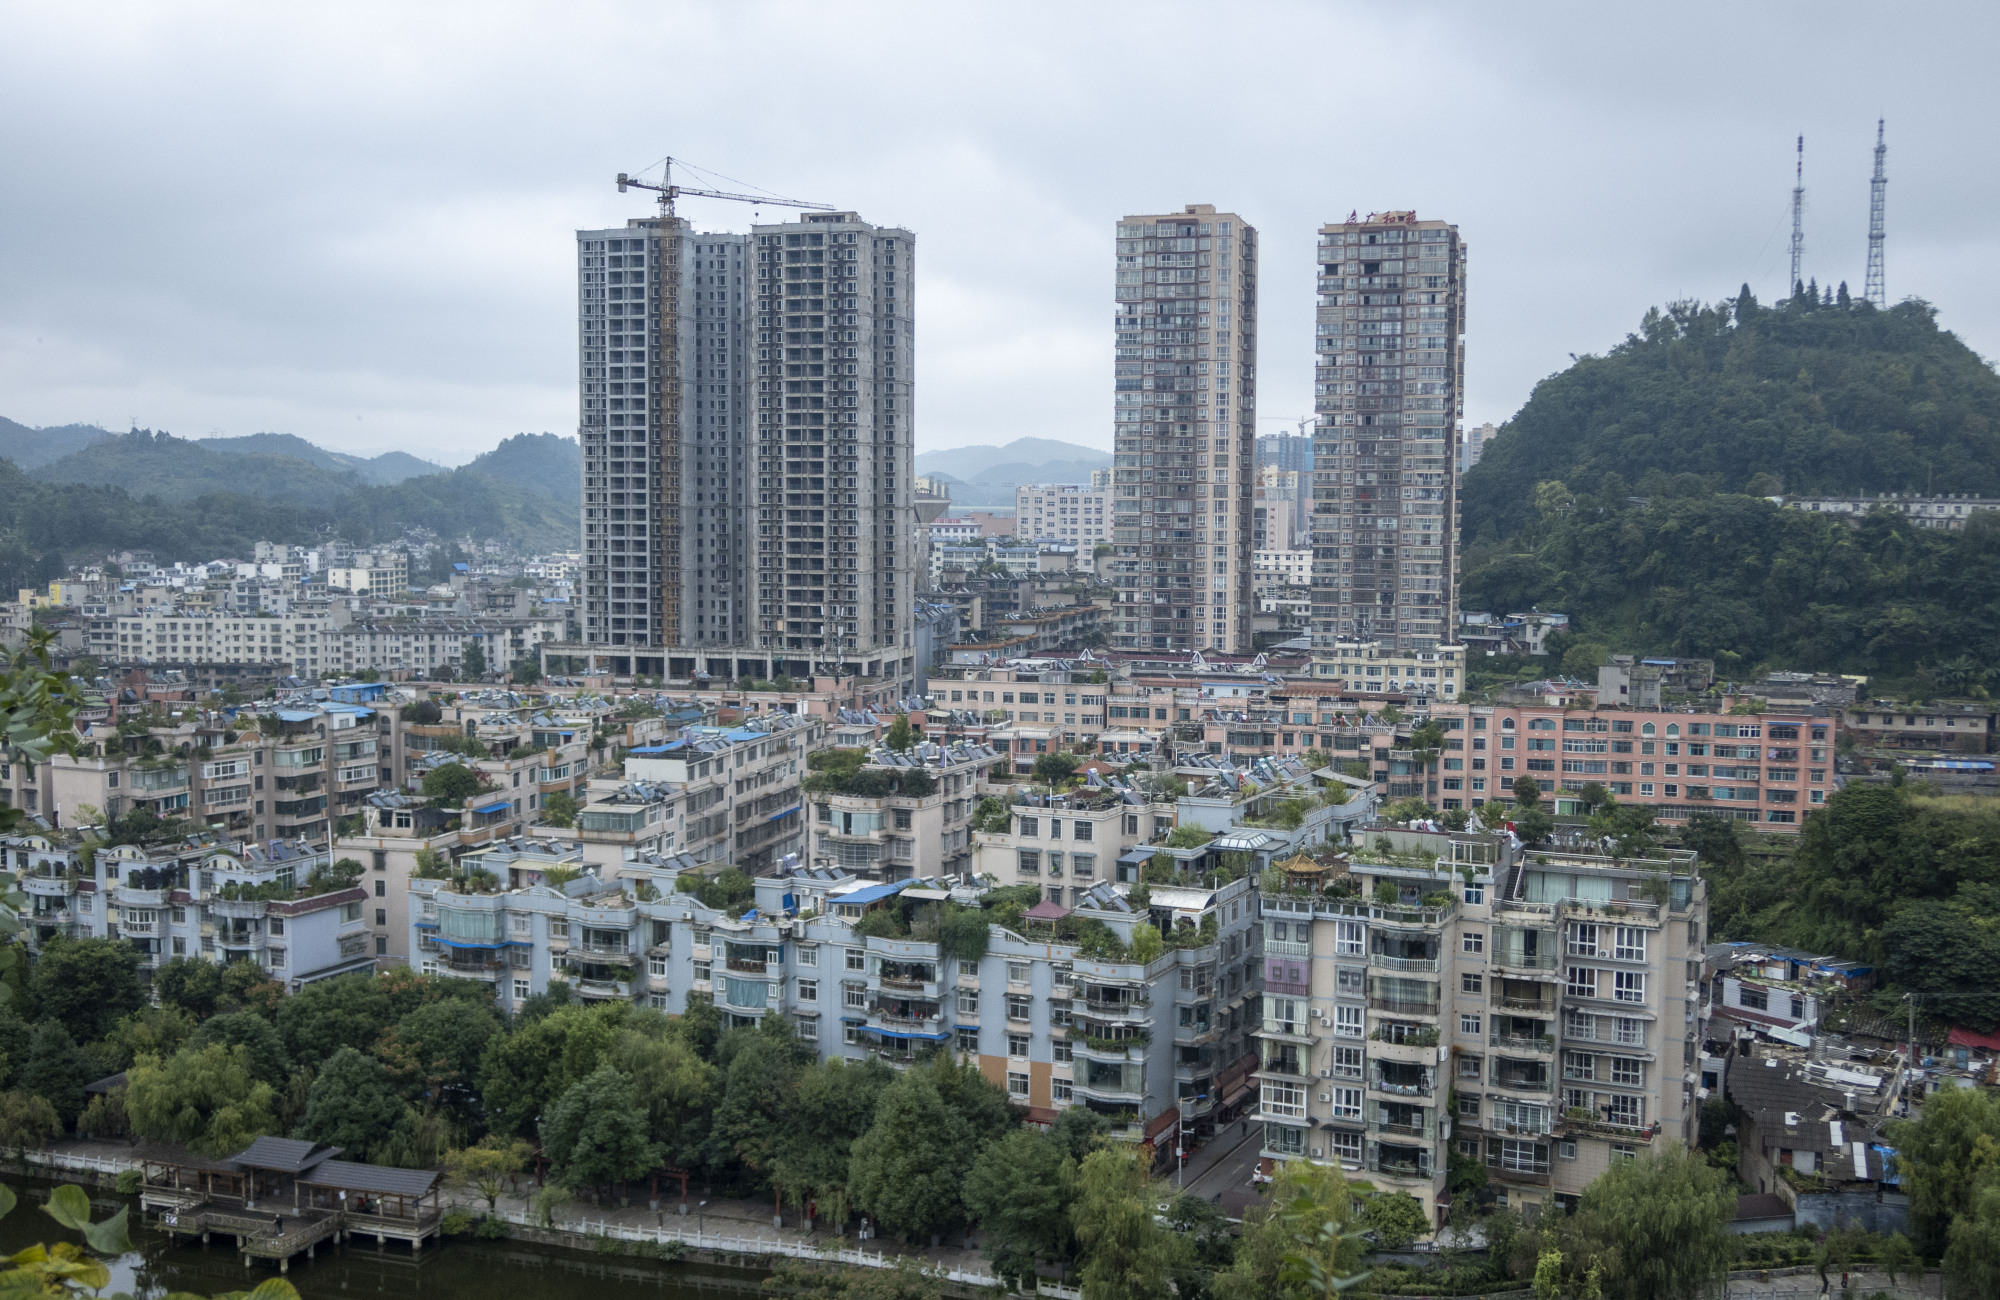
{"type": "Point", "coordinates": [1622, 494]}
{"type": "Point", "coordinates": [187, 500]}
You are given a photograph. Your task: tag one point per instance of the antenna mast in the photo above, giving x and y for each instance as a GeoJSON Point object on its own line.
{"type": "Point", "coordinates": [1798, 217]}
{"type": "Point", "coordinates": [1878, 192]}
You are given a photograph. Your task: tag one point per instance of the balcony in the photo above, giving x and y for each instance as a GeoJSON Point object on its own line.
{"type": "Point", "coordinates": [1538, 1001]}
{"type": "Point", "coordinates": [1400, 1161]}
{"type": "Point", "coordinates": [1539, 1043]}
{"type": "Point", "coordinates": [1402, 1006]}
{"type": "Point", "coordinates": [128, 896]}
{"type": "Point", "coordinates": [603, 988]}
{"type": "Point", "coordinates": [1522, 1076]}
{"type": "Point", "coordinates": [239, 908]}
{"type": "Point", "coordinates": [472, 965]}
{"type": "Point", "coordinates": [1420, 965]}
{"type": "Point", "coordinates": [605, 954]}
{"type": "Point", "coordinates": [1420, 1128]}
{"type": "Point", "coordinates": [50, 886]}
{"type": "Point", "coordinates": [1404, 1083]}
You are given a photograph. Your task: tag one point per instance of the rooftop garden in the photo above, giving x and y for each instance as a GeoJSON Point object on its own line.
{"type": "Point", "coordinates": [842, 771]}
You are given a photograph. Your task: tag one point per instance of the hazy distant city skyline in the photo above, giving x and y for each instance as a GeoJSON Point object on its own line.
{"type": "Point", "coordinates": [349, 223]}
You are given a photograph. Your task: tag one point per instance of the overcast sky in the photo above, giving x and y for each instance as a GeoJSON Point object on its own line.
{"type": "Point", "coordinates": [353, 222]}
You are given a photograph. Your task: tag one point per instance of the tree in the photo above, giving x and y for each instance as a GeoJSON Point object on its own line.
{"type": "Point", "coordinates": [1534, 825]}
{"type": "Point", "coordinates": [253, 1032]}
{"type": "Point", "coordinates": [87, 984]}
{"type": "Point", "coordinates": [1942, 1155]}
{"type": "Point", "coordinates": [901, 736]}
{"type": "Point", "coordinates": [472, 661]}
{"type": "Point", "coordinates": [327, 1015]}
{"type": "Point", "coordinates": [488, 1168]}
{"type": "Point", "coordinates": [159, 1031]}
{"type": "Point", "coordinates": [527, 670]}
{"type": "Point", "coordinates": [208, 1099]}
{"type": "Point", "coordinates": [204, 988]}
{"type": "Point", "coordinates": [1021, 1190]}
{"type": "Point", "coordinates": [57, 1069]}
{"type": "Point", "coordinates": [1527, 791]}
{"type": "Point", "coordinates": [832, 1103]}
{"type": "Point", "coordinates": [749, 1124]}
{"type": "Point", "coordinates": [449, 785]}
{"type": "Point", "coordinates": [908, 1169]}
{"type": "Point", "coordinates": [523, 1073]}
{"type": "Point", "coordinates": [1396, 1219]}
{"type": "Point", "coordinates": [559, 809]}
{"type": "Point", "coordinates": [1052, 769]}
{"type": "Point", "coordinates": [1946, 954]}
{"type": "Point", "coordinates": [1669, 1211]}
{"type": "Point", "coordinates": [1972, 1251]}
{"type": "Point", "coordinates": [800, 1280]}
{"type": "Point", "coordinates": [26, 1122]}
{"type": "Point", "coordinates": [352, 1104]}
{"type": "Point", "coordinates": [596, 1134]}
{"type": "Point", "coordinates": [1584, 659]}
{"type": "Point", "coordinates": [1126, 1254]}
{"type": "Point", "coordinates": [433, 1053]}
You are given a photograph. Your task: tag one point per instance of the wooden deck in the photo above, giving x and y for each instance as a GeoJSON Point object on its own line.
{"type": "Point", "coordinates": [255, 1234]}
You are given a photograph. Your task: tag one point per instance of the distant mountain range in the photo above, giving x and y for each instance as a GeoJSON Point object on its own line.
{"type": "Point", "coordinates": [524, 491]}
{"type": "Point", "coordinates": [987, 476]}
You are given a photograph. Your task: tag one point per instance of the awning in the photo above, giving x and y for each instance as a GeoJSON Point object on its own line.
{"type": "Point", "coordinates": [502, 806]}
{"type": "Point", "coordinates": [1239, 1092]}
{"type": "Point", "coordinates": [897, 1033]}
{"type": "Point", "coordinates": [467, 943]}
{"type": "Point", "coordinates": [786, 813]}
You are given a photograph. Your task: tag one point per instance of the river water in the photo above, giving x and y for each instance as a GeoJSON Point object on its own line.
{"type": "Point", "coordinates": [459, 1269]}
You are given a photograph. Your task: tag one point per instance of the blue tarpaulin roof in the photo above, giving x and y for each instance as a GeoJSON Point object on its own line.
{"type": "Point", "coordinates": [871, 893]}
{"type": "Point", "coordinates": [895, 1033]}
{"type": "Point", "coordinates": [502, 806]}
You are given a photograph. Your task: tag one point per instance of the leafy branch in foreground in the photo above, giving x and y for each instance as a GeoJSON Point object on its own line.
{"type": "Point", "coordinates": [67, 1269]}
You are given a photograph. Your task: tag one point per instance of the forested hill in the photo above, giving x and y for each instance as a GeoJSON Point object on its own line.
{"type": "Point", "coordinates": [1796, 398]}
{"type": "Point", "coordinates": [1627, 493]}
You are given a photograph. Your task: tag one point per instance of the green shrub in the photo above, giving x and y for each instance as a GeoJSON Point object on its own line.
{"type": "Point", "coordinates": [456, 1223]}
{"type": "Point", "coordinates": [130, 1181]}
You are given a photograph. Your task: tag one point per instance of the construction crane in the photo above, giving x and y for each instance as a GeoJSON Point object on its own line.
{"type": "Point", "coordinates": [1878, 191]}
{"type": "Point", "coordinates": [668, 192]}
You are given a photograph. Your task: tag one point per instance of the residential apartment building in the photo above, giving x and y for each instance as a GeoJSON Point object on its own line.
{"type": "Point", "coordinates": [1285, 451]}
{"type": "Point", "coordinates": [1185, 435]}
{"type": "Point", "coordinates": [1389, 389]}
{"type": "Point", "coordinates": [1071, 513]}
{"type": "Point", "coordinates": [1146, 1045]}
{"type": "Point", "coordinates": [423, 647]}
{"type": "Point", "coordinates": [278, 774]}
{"type": "Point", "coordinates": [276, 904]}
{"type": "Point", "coordinates": [1949, 511]}
{"type": "Point", "coordinates": [735, 791]}
{"type": "Point", "coordinates": [1474, 445]}
{"type": "Point", "coordinates": [1770, 769]}
{"type": "Point", "coordinates": [1281, 510]}
{"type": "Point", "coordinates": [1274, 569]}
{"type": "Point", "coordinates": [902, 814]}
{"type": "Point", "coordinates": [728, 511]}
{"type": "Point", "coordinates": [1539, 1016]}
{"type": "Point", "coordinates": [378, 573]}
{"type": "Point", "coordinates": [308, 640]}
{"type": "Point", "coordinates": [1067, 844]}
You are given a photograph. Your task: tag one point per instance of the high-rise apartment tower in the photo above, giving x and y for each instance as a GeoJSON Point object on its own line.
{"type": "Point", "coordinates": [1389, 392]}
{"type": "Point", "coordinates": [747, 448]}
{"type": "Point", "coordinates": [1186, 430]}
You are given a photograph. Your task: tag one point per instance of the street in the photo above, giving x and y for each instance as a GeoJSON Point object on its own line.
{"type": "Point", "coordinates": [1224, 1165]}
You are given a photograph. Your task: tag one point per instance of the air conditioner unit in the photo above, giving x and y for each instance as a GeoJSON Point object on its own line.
{"type": "Point", "coordinates": [1326, 1099]}
{"type": "Point", "coordinates": [1326, 1073]}
{"type": "Point", "coordinates": [1316, 1153]}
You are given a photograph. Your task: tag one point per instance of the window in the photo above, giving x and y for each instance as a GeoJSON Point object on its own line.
{"type": "Point", "coordinates": [1583, 940]}
{"type": "Point", "coordinates": [1473, 940]}
{"type": "Point", "coordinates": [1627, 1072]}
{"type": "Point", "coordinates": [1017, 1084]}
{"type": "Point", "coordinates": [1031, 827]}
{"type": "Point", "coordinates": [381, 916]}
{"type": "Point", "coordinates": [902, 819]}
{"type": "Point", "coordinates": [277, 958]}
{"type": "Point", "coordinates": [1581, 1066]}
{"type": "Point", "coordinates": [1060, 1049]}
{"type": "Point", "coordinates": [1347, 1103]}
{"type": "Point", "coordinates": [1582, 982]}
{"type": "Point", "coordinates": [656, 967]}
{"type": "Point", "coordinates": [1060, 1090]}
{"type": "Point", "coordinates": [808, 990]}
{"type": "Point", "coordinates": [1028, 862]}
{"type": "Point", "coordinates": [1468, 1023]}
{"type": "Point", "coordinates": [381, 889]}
{"type": "Point", "coordinates": [517, 924]}
{"type": "Point", "coordinates": [854, 996]}
{"type": "Point", "coordinates": [1631, 944]}
{"type": "Point", "coordinates": [968, 1038]}
{"type": "Point", "coordinates": [1347, 939]}
{"type": "Point", "coordinates": [1017, 1006]}
{"type": "Point", "coordinates": [1471, 982]}
{"type": "Point", "coordinates": [1286, 1100]}
{"type": "Point", "coordinates": [521, 993]}
{"type": "Point", "coordinates": [968, 1002]}
{"type": "Point", "coordinates": [1347, 1022]}
{"type": "Point", "coordinates": [1351, 981]}
{"type": "Point", "coordinates": [1017, 1045]}
{"type": "Point", "coordinates": [1475, 894]}
{"type": "Point", "coordinates": [1017, 972]}
{"type": "Point", "coordinates": [558, 929]}
{"type": "Point", "coordinates": [1629, 985]}
{"type": "Point", "coordinates": [1347, 1147]}
{"type": "Point", "coordinates": [807, 1028]}
{"type": "Point", "coordinates": [1470, 1067]}
{"type": "Point", "coordinates": [855, 959]}
{"type": "Point", "coordinates": [1625, 1109]}
{"type": "Point", "coordinates": [807, 956]}
{"type": "Point", "coordinates": [1566, 1148]}
{"type": "Point", "coordinates": [1284, 1139]}
{"type": "Point", "coordinates": [350, 911]}
{"type": "Point", "coordinates": [701, 971]}
{"type": "Point", "coordinates": [1468, 1107]}
{"type": "Point", "coordinates": [1347, 1062]}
